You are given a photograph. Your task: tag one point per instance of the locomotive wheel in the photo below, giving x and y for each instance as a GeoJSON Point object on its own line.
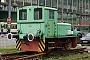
{"type": "Point", "coordinates": [68, 45]}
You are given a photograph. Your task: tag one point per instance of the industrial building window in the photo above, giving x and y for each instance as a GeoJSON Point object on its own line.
{"type": "Point", "coordinates": [23, 14]}
{"type": "Point", "coordinates": [48, 3]}
{"type": "Point", "coordinates": [37, 13]}
{"type": "Point", "coordinates": [42, 2]}
{"type": "Point", "coordinates": [34, 2]}
{"type": "Point", "coordinates": [51, 14]}
{"type": "Point", "coordinates": [59, 4]}
{"type": "Point", "coordinates": [54, 3]}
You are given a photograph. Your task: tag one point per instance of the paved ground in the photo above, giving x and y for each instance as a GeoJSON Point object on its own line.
{"type": "Point", "coordinates": [5, 42]}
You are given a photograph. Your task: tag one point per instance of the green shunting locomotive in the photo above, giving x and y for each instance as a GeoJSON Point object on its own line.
{"type": "Point", "coordinates": [39, 31]}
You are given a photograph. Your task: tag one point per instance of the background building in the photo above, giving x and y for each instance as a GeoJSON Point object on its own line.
{"type": "Point", "coordinates": [76, 12]}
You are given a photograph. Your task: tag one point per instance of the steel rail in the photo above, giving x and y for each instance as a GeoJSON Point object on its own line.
{"type": "Point", "coordinates": [26, 55]}
{"type": "Point", "coordinates": [17, 56]}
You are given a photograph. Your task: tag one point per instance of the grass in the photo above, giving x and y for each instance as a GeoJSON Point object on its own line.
{"type": "Point", "coordinates": [70, 56]}
{"type": "Point", "coordinates": [9, 49]}
{"type": "Point", "coordinates": [66, 56]}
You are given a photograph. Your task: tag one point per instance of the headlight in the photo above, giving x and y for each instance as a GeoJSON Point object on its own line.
{"type": "Point", "coordinates": [9, 35]}
{"type": "Point", "coordinates": [30, 37]}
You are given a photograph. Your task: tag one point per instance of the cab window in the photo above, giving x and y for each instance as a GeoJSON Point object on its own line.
{"type": "Point", "coordinates": [51, 14]}
{"type": "Point", "coordinates": [37, 13]}
{"type": "Point", "coordinates": [23, 14]}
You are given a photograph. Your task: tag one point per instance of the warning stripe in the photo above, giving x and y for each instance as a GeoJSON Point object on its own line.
{"type": "Point", "coordinates": [41, 45]}
{"type": "Point", "coordinates": [18, 44]}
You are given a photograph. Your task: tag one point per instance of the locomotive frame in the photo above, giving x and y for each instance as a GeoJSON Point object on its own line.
{"type": "Point", "coordinates": [39, 31]}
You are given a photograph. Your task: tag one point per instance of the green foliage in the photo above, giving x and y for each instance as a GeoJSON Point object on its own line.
{"type": "Point", "coordinates": [9, 49]}
{"type": "Point", "coordinates": [70, 56]}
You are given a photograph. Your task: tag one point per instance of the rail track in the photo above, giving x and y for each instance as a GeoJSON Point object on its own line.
{"type": "Point", "coordinates": [28, 55]}
{"type": "Point", "coordinates": [20, 56]}
{"type": "Point", "coordinates": [62, 52]}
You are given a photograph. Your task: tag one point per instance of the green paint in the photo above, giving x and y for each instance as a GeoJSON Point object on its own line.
{"type": "Point", "coordinates": [63, 28]}
{"type": "Point", "coordinates": [47, 24]}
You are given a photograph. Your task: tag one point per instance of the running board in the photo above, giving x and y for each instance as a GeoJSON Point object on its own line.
{"type": "Point", "coordinates": [53, 47]}
{"type": "Point", "coordinates": [57, 42]}
{"type": "Point", "coordinates": [51, 42]}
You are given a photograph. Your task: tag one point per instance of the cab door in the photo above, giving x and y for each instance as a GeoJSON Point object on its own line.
{"type": "Point", "coordinates": [50, 23]}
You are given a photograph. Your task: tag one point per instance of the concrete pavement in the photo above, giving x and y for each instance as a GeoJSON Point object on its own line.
{"type": "Point", "coordinates": [5, 42]}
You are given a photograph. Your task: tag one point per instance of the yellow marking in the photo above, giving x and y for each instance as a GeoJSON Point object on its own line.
{"type": "Point", "coordinates": [48, 31]}
{"type": "Point", "coordinates": [17, 39]}
{"type": "Point", "coordinates": [55, 34]}
{"type": "Point", "coordinates": [48, 34]}
{"type": "Point", "coordinates": [43, 44]}
{"type": "Point", "coordinates": [20, 48]}
{"type": "Point", "coordinates": [39, 50]}
{"type": "Point", "coordinates": [43, 41]}
{"type": "Point", "coordinates": [41, 47]}
{"type": "Point", "coordinates": [48, 27]}
{"type": "Point", "coordinates": [48, 22]}
{"type": "Point", "coordinates": [55, 26]}
{"type": "Point", "coordinates": [18, 45]}
{"type": "Point", "coordinates": [17, 42]}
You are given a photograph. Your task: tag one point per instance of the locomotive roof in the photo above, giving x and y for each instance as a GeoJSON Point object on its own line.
{"type": "Point", "coordinates": [64, 23]}
{"type": "Point", "coordinates": [38, 7]}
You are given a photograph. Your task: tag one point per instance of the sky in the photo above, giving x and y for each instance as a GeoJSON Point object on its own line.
{"type": "Point", "coordinates": [2, 0]}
